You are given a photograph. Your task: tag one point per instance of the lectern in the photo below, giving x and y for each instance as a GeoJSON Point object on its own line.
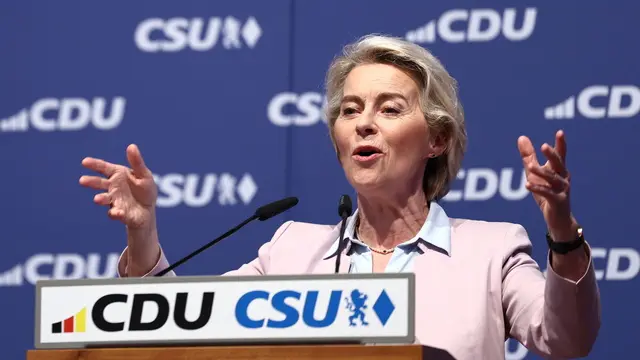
{"type": "Point", "coordinates": [274, 352]}
{"type": "Point", "coordinates": [344, 316]}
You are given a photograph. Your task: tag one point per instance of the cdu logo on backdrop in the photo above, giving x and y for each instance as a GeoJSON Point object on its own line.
{"type": "Point", "coordinates": [315, 309]}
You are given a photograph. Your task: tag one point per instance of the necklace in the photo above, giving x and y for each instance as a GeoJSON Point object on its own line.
{"type": "Point", "coordinates": [383, 251]}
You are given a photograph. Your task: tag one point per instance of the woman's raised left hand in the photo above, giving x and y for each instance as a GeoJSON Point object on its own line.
{"type": "Point", "coordinates": [550, 185]}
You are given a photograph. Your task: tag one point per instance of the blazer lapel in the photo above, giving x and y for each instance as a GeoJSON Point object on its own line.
{"type": "Point", "coordinates": [327, 265]}
{"type": "Point", "coordinates": [432, 278]}
{"type": "Point", "coordinates": [428, 268]}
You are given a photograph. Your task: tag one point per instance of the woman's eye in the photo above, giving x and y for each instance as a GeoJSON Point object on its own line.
{"type": "Point", "coordinates": [390, 110]}
{"type": "Point", "coordinates": [348, 111]}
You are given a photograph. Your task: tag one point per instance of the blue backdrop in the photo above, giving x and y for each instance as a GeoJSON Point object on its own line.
{"type": "Point", "coordinates": [224, 100]}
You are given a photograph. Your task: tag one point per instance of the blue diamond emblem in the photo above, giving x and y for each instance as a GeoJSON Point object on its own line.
{"type": "Point", "coordinates": [383, 307]}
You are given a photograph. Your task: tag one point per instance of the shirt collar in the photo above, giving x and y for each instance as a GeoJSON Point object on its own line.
{"type": "Point", "coordinates": [435, 231]}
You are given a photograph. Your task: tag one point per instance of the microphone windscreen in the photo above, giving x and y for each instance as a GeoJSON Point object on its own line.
{"type": "Point", "coordinates": [270, 210]}
{"type": "Point", "coordinates": [344, 207]}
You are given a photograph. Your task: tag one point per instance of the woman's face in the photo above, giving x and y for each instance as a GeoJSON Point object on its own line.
{"type": "Point", "coordinates": [381, 134]}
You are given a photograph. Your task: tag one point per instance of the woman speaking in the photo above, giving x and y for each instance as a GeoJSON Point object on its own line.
{"type": "Point", "coordinates": [398, 130]}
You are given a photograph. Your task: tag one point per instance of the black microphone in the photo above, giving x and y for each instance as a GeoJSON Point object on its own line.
{"type": "Point", "coordinates": [263, 213]}
{"type": "Point", "coordinates": [344, 210]}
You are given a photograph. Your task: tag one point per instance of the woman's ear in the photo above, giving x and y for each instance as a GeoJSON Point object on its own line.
{"type": "Point", "coordinates": [437, 145]}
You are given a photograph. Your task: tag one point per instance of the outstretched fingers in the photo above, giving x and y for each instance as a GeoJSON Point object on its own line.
{"type": "Point", "coordinates": [549, 178]}
{"type": "Point", "coordinates": [115, 214]}
{"type": "Point", "coordinates": [94, 182]}
{"type": "Point", "coordinates": [136, 161]}
{"type": "Point", "coordinates": [103, 199]}
{"type": "Point", "coordinates": [555, 159]}
{"type": "Point", "coordinates": [546, 192]}
{"type": "Point", "coordinates": [527, 152]}
{"type": "Point", "coordinates": [100, 166]}
{"type": "Point", "coordinates": [561, 146]}
{"type": "Point", "coordinates": [115, 211]}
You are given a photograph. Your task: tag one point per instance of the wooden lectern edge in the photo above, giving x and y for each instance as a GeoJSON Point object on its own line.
{"type": "Point", "coordinates": [254, 352]}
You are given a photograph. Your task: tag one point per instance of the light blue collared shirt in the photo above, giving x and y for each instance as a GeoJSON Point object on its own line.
{"type": "Point", "coordinates": [434, 232]}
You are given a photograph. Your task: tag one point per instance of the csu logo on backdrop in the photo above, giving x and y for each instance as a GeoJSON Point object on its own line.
{"type": "Point", "coordinates": [287, 308]}
{"type": "Point", "coordinates": [196, 34]}
{"type": "Point", "coordinates": [61, 266]}
{"type": "Point", "coordinates": [67, 114]}
{"type": "Point", "coordinates": [477, 25]}
{"type": "Point", "coordinates": [480, 184]}
{"type": "Point", "coordinates": [598, 102]}
{"type": "Point", "coordinates": [292, 109]}
{"type": "Point", "coordinates": [196, 190]}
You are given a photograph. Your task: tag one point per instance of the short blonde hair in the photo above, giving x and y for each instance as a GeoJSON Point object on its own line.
{"type": "Point", "coordinates": [438, 99]}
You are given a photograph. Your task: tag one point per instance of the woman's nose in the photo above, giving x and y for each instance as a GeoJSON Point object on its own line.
{"type": "Point", "coordinates": [366, 124]}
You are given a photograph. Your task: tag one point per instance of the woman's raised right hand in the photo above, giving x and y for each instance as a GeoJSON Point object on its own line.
{"type": "Point", "coordinates": [129, 192]}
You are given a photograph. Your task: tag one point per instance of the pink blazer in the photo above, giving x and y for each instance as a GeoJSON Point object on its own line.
{"type": "Point", "coordinates": [467, 303]}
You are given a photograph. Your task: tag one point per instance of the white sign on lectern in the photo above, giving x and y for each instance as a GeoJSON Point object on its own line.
{"type": "Point", "coordinates": [362, 308]}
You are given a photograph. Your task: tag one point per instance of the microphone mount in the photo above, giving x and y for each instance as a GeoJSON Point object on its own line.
{"type": "Point", "coordinates": [263, 213]}
{"type": "Point", "coordinates": [345, 210]}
